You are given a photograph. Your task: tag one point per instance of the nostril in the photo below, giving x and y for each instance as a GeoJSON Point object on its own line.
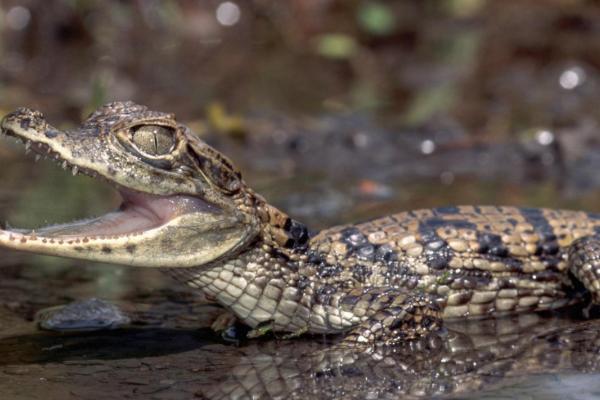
{"type": "Point", "coordinates": [25, 122]}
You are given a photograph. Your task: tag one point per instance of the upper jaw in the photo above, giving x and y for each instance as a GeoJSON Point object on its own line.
{"type": "Point", "coordinates": [91, 152]}
{"type": "Point", "coordinates": [93, 155]}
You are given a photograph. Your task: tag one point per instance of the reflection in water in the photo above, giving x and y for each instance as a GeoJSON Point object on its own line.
{"type": "Point", "coordinates": [164, 352]}
{"type": "Point", "coordinates": [463, 361]}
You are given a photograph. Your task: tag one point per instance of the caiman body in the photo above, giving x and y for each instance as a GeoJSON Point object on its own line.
{"type": "Point", "coordinates": [186, 208]}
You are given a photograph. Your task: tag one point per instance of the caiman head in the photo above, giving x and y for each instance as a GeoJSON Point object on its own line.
{"type": "Point", "coordinates": [183, 203]}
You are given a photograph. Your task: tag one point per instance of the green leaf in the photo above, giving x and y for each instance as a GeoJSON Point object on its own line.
{"type": "Point", "coordinates": [429, 102]}
{"type": "Point", "coordinates": [376, 18]}
{"type": "Point", "coordinates": [336, 45]}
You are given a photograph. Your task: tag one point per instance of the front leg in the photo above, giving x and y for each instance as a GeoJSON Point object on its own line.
{"type": "Point", "coordinates": [392, 315]}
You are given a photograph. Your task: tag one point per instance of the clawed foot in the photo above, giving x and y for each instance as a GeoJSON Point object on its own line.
{"type": "Point", "coordinates": [261, 330]}
{"type": "Point", "coordinates": [223, 322]}
{"type": "Point", "coordinates": [292, 335]}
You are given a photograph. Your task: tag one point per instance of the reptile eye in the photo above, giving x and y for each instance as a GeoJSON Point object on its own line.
{"type": "Point", "coordinates": [155, 140]}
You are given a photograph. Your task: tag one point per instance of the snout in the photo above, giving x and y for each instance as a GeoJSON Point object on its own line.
{"type": "Point", "coordinates": [26, 122]}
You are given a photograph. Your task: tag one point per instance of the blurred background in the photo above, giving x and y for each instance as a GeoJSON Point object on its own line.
{"type": "Point", "coordinates": [336, 110]}
{"type": "Point", "coordinates": [348, 102]}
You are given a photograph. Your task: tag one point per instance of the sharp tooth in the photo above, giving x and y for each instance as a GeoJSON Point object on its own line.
{"type": "Point", "coordinates": [75, 169]}
{"type": "Point", "coordinates": [27, 144]}
{"type": "Point", "coordinates": [37, 157]}
{"type": "Point", "coordinates": [48, 150]}
{"type": "Point", "coordinates": [64, 164]}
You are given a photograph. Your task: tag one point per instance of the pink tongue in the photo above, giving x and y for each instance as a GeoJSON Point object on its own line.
{"type": "Point", "coordinates": [138, 212]}
{"type": "Point", "coordinates": [113, 223]}
{"type": "Point", "coordinates": [163, 208]}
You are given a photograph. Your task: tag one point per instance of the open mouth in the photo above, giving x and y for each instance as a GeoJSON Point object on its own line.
{"type": "Point", "coordinates": [139, 212]}
{"type": "Point", "coordinates": [170, 216]}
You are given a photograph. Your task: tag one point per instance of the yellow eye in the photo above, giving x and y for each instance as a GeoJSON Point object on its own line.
{"type": "Point", "coordinates": [154, 140]}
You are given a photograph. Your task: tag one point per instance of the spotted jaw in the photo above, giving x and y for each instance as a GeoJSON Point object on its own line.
{"type": "Point", "coordinates": [150, 229]}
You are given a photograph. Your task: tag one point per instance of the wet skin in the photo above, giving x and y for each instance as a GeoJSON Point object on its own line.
{"type": "Point", "coordinates": [186, 207]}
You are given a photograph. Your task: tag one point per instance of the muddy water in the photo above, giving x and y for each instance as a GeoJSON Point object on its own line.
{"type": "Point", "coordinates": [169, 351]}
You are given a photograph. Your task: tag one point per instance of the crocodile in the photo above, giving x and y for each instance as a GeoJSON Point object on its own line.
{"type": "Point", "coordinates": [186, 208]}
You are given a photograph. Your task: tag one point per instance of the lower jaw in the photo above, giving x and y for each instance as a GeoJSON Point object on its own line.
{"type": "Point", "coordinates": [186, 241]}
{"type": "Point", "coordinates": [147, 230]}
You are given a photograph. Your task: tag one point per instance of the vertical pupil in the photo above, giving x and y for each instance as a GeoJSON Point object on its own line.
{"type": "Point", "coordinates": [153, 139]}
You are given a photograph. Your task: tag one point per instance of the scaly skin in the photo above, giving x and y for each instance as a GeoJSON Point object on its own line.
{"type": "Point", "coordinates": [383, 281]}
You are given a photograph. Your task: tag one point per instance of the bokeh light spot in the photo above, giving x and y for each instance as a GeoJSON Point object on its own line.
{"type": "Point", "coordinates": [571, 78]}
{"type": "Point", "coordinates": [427, 146]}
{"type": "Point", "coordinates": [544, 137]}
{"type": "Point", "coordinates": [228, 13]}
{"type": "Point", "coordinates": [18, 18]}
